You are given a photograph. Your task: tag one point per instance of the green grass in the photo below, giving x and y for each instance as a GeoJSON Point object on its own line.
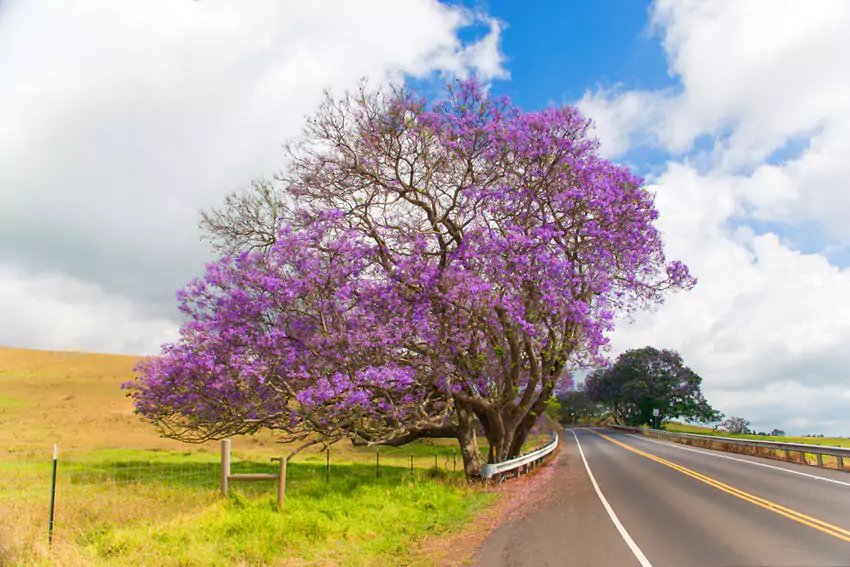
{"type": "Point", "coordinates": [10, 403]}
{"type": "Point", "coordinates": [126, 507]}
{"type": "Point", "coordinates": [353, 520]}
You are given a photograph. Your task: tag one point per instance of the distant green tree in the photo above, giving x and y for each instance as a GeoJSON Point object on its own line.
{"type": "Point", "coordinates": [553, 408]}
{"type": "Point", "coordinates": [736, 425]}
{"type": "Point", "coordinates": [576, 407]}
{"type": "Point", "coordinates": [647, 379]}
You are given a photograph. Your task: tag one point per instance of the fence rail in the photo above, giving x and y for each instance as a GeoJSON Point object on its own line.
{"type": "Point", "coordinates": [523, 462]}
{"type": "Point", "coordinates": [770, 449]}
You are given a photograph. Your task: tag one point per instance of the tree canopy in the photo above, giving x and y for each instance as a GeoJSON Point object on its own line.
{"type": "Point", "coordinates": [647, 379]}
{"type": "Point", "coordinates": [575, 406]}
{"type": "Point", "coordinates": [418, 269]}
{"type": "Point", "coordinates": [736, 424]}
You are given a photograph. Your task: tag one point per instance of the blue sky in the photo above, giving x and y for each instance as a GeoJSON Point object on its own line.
{"type": "Point", "coordinates": [555, 51]}
{"type": "Point", "coordinates": [759, 181]}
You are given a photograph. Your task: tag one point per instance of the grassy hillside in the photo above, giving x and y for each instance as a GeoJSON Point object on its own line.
{"type": "Point", "coordinates": [71, 398]}
{"type": "Point", "coordinates": [76, 399]}
{"type": "Point", "coordinates": [126, 496]}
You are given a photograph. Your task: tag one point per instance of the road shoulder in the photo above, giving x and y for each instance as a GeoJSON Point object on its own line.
{"type": "Point", "coordinates": [515, 496]}
{"type": "Point", "coordinates": [566, 525]}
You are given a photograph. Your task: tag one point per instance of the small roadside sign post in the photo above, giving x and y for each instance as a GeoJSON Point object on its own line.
{"type": "Point", "coordinates": [656, 413]}
{"type": "Point", "coordinates": [52, 495]}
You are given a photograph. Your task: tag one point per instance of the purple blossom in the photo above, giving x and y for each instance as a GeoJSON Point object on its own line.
{"type": "Point", "coordinates": [462, 256]}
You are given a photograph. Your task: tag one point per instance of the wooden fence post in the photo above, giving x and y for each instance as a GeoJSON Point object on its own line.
{"type": "Point", "coordinates": [225, 465]}
{"type": "Point", "coordinates": [281, 484]}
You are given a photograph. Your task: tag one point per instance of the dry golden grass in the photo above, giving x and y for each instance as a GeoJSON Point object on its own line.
{"type": "Point", "coordinates": [76, 399]}
{"type": "Point", "coordinates": [71, 398]}
{"type": "Point", "coordinates": [677, 427]}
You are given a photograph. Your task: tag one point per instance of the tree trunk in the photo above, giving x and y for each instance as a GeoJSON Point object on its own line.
{"type": "Point", "coordinates": [527, 423]}
{"type": "Point", "coordinates": [498, 434]}
{"type": "Point", "coordinates": [507, 432]}
{"type": "Point", "coordinates": [521, 434]}
{"type": "Point", "coordinates": [467, 437]}
{"type": "Point", "coordinates": [500, 445]}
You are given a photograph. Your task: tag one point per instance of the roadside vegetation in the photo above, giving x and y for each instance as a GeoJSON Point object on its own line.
{"type": "Point", "coordinates": [704, 430]}
{"type": "Point", "coordinates": [645, 386]}
{"type": "Point", "coordinates": [419, 271]}
{"type": "Point", "coordinates": [138, 515]}
{"type": "Point", "coordinates": [126, 496]}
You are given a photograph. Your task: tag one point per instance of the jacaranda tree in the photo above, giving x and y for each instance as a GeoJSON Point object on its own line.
{"type": "Point", "coordinates": [420, 270]}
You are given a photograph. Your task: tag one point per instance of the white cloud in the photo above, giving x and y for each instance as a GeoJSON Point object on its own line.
{"type": "Point", "coordinates": [766, 326]}
{"type": "Point", "coordinates": [58, 312]}
{"type": "Point", "coordinates": [754, 73]}
{"type": "Point", "coordinates": [623, 119]}
{"type": "Point", "coordinates": [122, 120]}
{"type": "Point", "coordinates": [762, 315]}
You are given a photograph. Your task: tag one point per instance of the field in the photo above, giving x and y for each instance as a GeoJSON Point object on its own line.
{"type": "Point", "coordinates": [125, 496]}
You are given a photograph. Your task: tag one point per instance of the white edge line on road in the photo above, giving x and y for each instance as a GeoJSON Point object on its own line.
{"type": "Point", "coordinates": [628, 539]}
{"type": "Point", "coordinates": [714, 454]}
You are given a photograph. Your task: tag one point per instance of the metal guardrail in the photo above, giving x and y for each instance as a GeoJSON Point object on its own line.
{"type": "Point", "coordinates": [784, 449]}
{"type": "Point", "coordinates": [518, 463]}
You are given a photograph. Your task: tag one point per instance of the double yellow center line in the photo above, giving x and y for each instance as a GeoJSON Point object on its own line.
{"type": "Point", "coordinates": [799, 517]}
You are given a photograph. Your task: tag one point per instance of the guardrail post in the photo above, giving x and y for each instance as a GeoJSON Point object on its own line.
{"type": "Point", "coordinates": [840, 462]}
{"type": "Point", "coordinates": [225, 465]}
{"type": "Point", "coordinates": [787, 455]}
{"type": "Point", "coordinates": [819, 457]}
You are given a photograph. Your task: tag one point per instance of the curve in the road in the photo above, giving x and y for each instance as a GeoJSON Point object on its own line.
{"type": "Point", "coordinates": [825, 527]}
{"type": "Point", "coordinates": [679, 506]}
{"type": "Point", "coordinates": [717, 455]}
{"type": "Point", "coordinates": [619, 525]}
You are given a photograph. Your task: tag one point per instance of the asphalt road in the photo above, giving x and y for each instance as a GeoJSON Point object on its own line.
{"type": "Point", "coordinates": [672, 505]}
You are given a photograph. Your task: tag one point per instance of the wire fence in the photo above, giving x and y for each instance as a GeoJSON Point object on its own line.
{"type": "Point", "coordinates": [102, 489]}
{"type": "Point", "coordinates": [99, 489]}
